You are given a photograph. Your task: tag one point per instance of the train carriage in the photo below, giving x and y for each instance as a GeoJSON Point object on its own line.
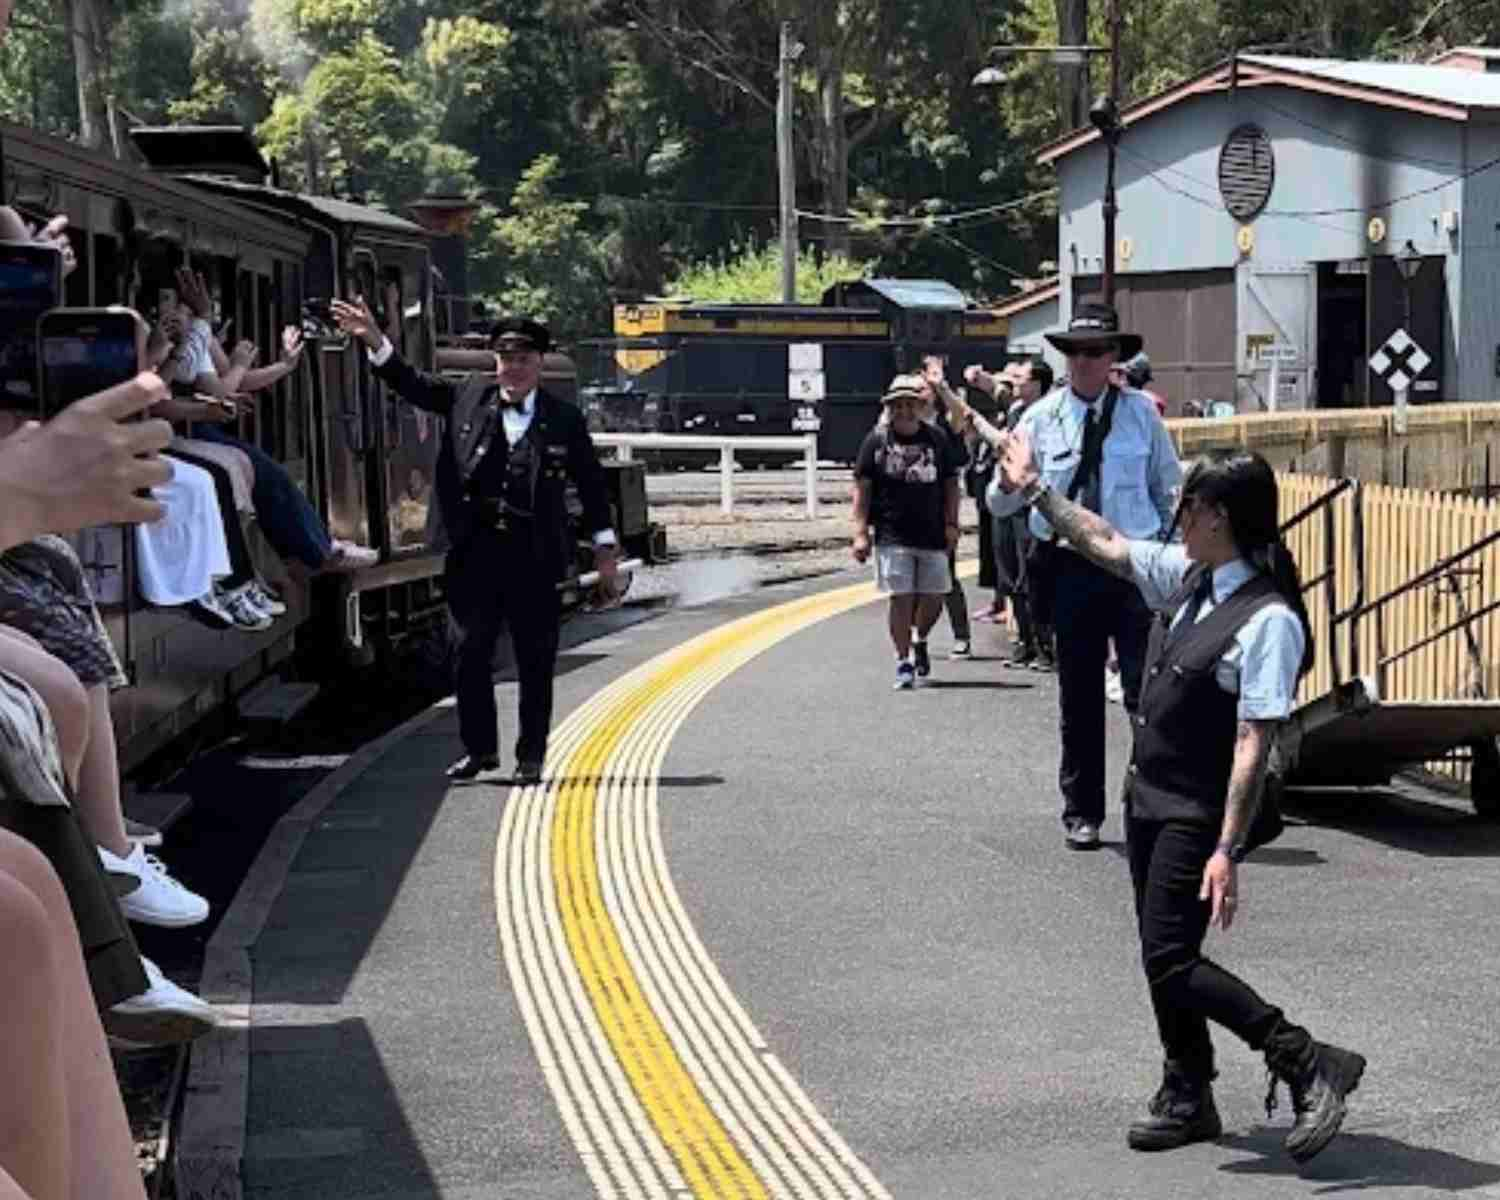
{"type": "Point", "coordinates": [365, 461]}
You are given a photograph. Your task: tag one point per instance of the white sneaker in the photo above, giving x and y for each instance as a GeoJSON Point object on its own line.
{"type": "Point", "coordinates": [157, 898]}
{"type": "Point", "coordinates": [163, 1015]}
{"type": "Point", "coordinates": [265, 600]}
{"type": "Point", "coordinates": [243, 611]}
{"type": "Point", "coordinates": [211, 605]}
{"type": "Point", "coordinates": [347, 556]}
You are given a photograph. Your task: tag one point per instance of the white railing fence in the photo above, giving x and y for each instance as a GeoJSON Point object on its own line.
{"type": "Point", "coordinates": [625, 443]}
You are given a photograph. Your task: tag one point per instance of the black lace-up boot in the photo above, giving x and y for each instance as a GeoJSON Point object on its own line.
{"type": "Point", "coordinates": [1319, 1077]}
{"type": "Point", "coordinates": [1181, 1112]}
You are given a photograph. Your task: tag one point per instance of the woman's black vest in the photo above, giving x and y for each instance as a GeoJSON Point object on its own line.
{"type": "Point", "coordinates": [1185, 723]}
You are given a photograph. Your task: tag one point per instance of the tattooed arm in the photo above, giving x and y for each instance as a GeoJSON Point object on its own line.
{"type": "Point", "coordinates": [1220, 887]}
{"type": "Point", "coordinates": [1088, 533]}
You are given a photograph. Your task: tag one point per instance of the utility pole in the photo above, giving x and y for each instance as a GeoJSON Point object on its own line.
{"type": "Point", "coordinates": [1111, 140]}
{"type": "Point", "coordinates": [786, 164]}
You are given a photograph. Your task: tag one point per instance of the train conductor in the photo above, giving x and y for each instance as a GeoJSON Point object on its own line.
{"type": "Point", "coordinates": [501, 478]}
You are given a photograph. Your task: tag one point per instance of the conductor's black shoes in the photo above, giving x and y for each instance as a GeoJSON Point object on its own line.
{"type": "Point", "coordinates": [528, 772]}
{"type": "Point", "coordinates": [1181, 1112]}
{"type": "Point", "coordinates": [471, 765]}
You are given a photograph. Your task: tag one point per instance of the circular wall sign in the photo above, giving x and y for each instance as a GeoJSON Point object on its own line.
{"type": "Point", "coordinates": [1244, 239]}
{"type": "Point", "coordinates": [1247, 171]}
{"type": "Point", "coordinates": [1375, 230]}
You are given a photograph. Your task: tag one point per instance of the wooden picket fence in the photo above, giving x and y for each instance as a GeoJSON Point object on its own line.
{"type": "Point", "coordinates": [1406, 531]}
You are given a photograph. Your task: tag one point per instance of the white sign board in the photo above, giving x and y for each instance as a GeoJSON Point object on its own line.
{"type": "Point", "coordinates": [804, 356]}
{"type": "Point", "coordinates": [806, 385]}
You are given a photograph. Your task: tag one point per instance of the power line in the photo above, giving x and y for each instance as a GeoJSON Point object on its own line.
{"type": "Point", "coordinates": [929, 222]}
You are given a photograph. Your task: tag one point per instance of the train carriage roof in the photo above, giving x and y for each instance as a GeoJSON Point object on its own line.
{"type": "Point", "coordinates": [225, 159]}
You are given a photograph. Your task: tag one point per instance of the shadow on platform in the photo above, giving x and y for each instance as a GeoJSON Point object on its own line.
{"type": "Point", "coordinates": [1360, 1161]}
{"type": "Point", "coordinates": [1403, 822]}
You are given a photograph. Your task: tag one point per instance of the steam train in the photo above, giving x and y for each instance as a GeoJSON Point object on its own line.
{"type": "Point", "coordinates": [676, 366]}
{"type": "Point", "coordinates": [273, 258]}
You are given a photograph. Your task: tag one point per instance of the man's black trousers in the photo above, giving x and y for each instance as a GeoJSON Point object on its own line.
{"type": "Point", "coordinates": [495, 582]}
{"type": "Point", "coordinates": [1092, 606]}
{"type": "Point", "coordinates": [1187, 990]}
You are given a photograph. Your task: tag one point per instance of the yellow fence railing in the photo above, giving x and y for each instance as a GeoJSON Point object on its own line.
{"type": "Point", "coordinates": [1445, 447]}
{"type": "Point", "coordinates": [1405, 531]}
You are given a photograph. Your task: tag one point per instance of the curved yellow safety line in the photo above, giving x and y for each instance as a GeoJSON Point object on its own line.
{"type": "Point", "coordinates": [711, 1161]}
{"type": "Point", "coordinates": [713, 1165]}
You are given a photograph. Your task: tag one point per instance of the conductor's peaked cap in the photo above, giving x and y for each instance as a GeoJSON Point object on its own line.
{"type": "Point", "coordinates": [520, 333]}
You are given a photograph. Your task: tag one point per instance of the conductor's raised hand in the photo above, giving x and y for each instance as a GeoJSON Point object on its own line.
{"type": "Point", "coordinates": [357, 319]}
{"type": "Point", "coordinates": [291, 345]}
{"type": "Point", "coordinates": [85, 466]}
{"type": "Point", "coordinates": [1015, 462]}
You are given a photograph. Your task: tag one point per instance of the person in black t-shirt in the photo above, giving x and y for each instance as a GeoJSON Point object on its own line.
{"type": "Point", "coordinates": [907, 488]}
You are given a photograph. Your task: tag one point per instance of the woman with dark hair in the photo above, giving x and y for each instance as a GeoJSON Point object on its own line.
{"type": "Point", "coordinates": [1229, 644]}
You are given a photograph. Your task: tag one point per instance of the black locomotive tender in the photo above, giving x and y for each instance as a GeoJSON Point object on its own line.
{"type": "Point", "coordinates": [366, 461]}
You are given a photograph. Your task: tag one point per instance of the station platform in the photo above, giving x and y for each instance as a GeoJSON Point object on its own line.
{"type": "Point", "coordinates": [770, 928]}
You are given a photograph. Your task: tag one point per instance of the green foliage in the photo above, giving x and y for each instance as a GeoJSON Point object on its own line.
{"type": "Point", "coordinates": [553, 268]}
{"type": "Point", "coordinates": [752, 274]}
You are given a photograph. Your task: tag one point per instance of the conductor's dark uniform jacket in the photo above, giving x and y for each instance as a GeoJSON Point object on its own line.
{"type": "Point", "coordinates": [504, 507]}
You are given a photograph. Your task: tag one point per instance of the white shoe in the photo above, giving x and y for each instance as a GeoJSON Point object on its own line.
{"type": "Point", "coordinates": [163, 1015]}
{"type": "Point", "coordinates": [157, 898]}
{"type": "Point", "coordinates": [347, 556]}
{"type": "Point", "coordinates": [265, 600]}
{"type": "Point", "coordinates": [243, 610]}
{"type": "Point", "coordinates": [211, 605]}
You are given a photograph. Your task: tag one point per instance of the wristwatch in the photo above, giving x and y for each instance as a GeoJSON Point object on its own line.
{"type": "Point", "coordinates": [1235, 852]}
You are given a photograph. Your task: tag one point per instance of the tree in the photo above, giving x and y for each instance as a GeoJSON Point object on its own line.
{"type": "Point", "coordinates": [550, 265]}
{"type": "Point", "coordinates": [752, 274]}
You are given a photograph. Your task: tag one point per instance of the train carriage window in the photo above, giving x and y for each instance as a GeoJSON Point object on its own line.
{"type": "Point", "coordinates": [109, 270]}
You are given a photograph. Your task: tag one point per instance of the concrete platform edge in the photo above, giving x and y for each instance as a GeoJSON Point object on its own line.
{"type": "Point", "coordinates": [209, 1150]}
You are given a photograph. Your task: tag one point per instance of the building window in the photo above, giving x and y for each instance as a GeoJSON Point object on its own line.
{"type": "Point", "coordinates": [1247, 171]}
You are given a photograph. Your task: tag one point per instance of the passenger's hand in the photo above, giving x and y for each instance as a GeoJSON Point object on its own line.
{"type": "Point", "coordinates": [861, 547]}
{"type": "Point", "coordinates": [1221, 889]}
{"type": "Point", "coordinates": [194, 292]}
{"type": "Point", "coordinates": [1015, 464]}
{"type": "Point", "coordinates": [214, 410]}
{"type": "Point", "coordinates": [979, 379]}
{"type": "Point", "coordinates": [55, 233]}
{"type": "Point", "coordinates": [291, 345]}
{"type": "Point", "coordinates": [85, 465]}
{"type": "Point", "coordinates": [244, 354]}
{"type": "Point", "coordinates": [357, 319]}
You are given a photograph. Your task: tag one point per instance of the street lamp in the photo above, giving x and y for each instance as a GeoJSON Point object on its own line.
{"type": "Point", "coordinates": [1104, 116]}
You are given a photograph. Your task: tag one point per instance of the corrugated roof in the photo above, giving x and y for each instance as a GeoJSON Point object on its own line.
{"type": "Point", "coordinates": [934, 294]}
{"type": "Point", "coordinates": [1449, 92]}
{"type": "Point", "coordinates": [1425, 82]}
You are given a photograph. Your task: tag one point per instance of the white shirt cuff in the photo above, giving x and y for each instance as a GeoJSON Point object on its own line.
{"type": "Point", "coordinates": [378, 358]}
{"type": "Point", "coordinates": [605, 537]}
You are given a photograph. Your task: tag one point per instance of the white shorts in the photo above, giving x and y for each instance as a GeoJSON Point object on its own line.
{"type": "Point", "coordinates": [904, 571]}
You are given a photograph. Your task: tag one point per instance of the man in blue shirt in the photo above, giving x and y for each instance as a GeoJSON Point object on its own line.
{"type": "Point", "coordinates": [1107, 449]}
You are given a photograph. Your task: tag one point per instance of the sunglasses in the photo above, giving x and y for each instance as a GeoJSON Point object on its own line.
{"type": "Point", "coordinates": [1104, 351]}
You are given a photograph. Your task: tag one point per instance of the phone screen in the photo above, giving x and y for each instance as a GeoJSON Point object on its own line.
{"type": "Point", "coordinates": [30, 284]}
{"type": "Point", "coordinates": [83, 353]}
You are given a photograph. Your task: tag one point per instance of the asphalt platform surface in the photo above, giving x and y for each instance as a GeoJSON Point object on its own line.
{"type": "Point", "coordinates": [880, 878]}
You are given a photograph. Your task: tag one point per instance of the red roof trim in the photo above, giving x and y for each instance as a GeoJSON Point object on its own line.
{"type": "Point", "coordinates": [1037, 295]}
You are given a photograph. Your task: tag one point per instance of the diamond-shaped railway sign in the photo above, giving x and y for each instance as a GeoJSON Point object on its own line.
{"type": "Point", "coordinates": [1399, 361]}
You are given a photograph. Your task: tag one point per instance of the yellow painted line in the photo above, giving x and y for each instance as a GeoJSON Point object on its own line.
{"type": "Point", "coordinates": [663, 1083]}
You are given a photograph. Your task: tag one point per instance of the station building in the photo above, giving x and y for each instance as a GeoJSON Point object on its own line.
{"type": "Point", "coordinates": [1295, 213]}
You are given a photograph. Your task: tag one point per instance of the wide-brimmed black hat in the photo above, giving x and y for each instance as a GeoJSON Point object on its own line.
{"type": "Point", "coordinates": [520, 333]}
{"type": "Point", "coordinates": [1094, 322]}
